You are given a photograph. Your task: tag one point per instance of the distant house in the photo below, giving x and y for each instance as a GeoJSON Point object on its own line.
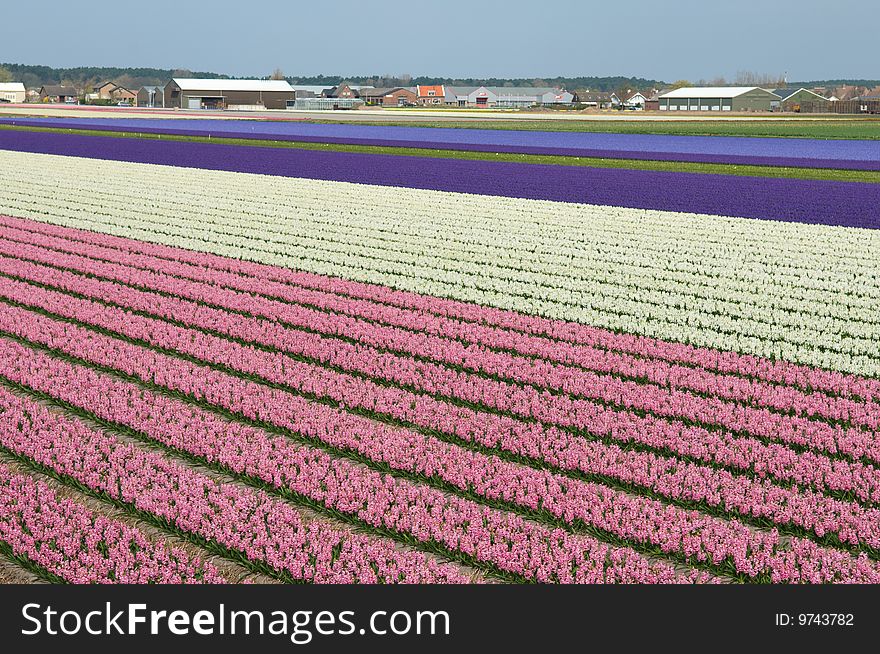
{"type": "Point", "coordinates": [345, 91]}
{"type": "Point", "coordinates": [598, 99]}
{"type": "Point", "coordinates": [870, 95]}
{"type": "Point", "coordinates": [113, 92]}
{"type": "Point", "coordinates": [57, 93]}
{"type": "Point", "coordinates": [791, 98]}
{"type": "Point", "coordinates": [635, 99]}
{"type": "Point", "coordinates": [849, 92]}
{"type": "Point", "coordinates": [150, 96]}
{"type": "Point", "coordinates": [396, 96]}
{"type": "Point", "coordinates": [189, 93]}
{"type": "Point", "coordinates": [102, 91]}
{"type": "Point", "coordinates": [12, 92]}
{"type": "Point", "coordinates": [719, 98]}
{"type": "Point", "coordinates": [430, 95]}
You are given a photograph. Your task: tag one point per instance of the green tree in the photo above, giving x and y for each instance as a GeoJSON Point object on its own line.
{"type": "Point", "coordinates": [5, 75]}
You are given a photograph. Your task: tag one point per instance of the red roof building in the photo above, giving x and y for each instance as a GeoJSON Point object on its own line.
{"type": "Point", "coordinates": [429, 95]}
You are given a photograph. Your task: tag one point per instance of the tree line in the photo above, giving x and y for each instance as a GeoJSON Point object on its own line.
{"type": "Point", "coordinates": [86, 76]}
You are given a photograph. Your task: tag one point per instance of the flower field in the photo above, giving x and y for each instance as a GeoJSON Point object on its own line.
{"type": "Point", "coordinates": [851, 204]}
{"type": "Point", "coordinates": [797, 152]}
{"type": "Point", "coordinates": [338, 372]}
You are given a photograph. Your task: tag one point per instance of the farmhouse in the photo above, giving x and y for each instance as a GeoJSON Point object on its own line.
{"type": "Point", "coordinates": [56, 93]}
{"type": "Point", "coordinates": [185, 93]}
{"type": "Point", "coordinates": [150, 96]}
{"type": "Point", "coordinates": [342, 91]}
{"type": "Point", "coordinates": [12, 92]}
{"type": "Point", "coordinates": [634, 99]}
{"type": "Point", "coordinates": [395, 96]}
{"type": "Point", "coordinates": [429, 95]}
{"type": "Point", "coordinates": [719, 98]}
{"type": "Point", "coordinates": [112, 91]}
{"type": "Point", "coordinates": [598, 99]}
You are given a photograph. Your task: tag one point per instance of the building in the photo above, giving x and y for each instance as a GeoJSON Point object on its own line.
{"type": "Point", "coordinates": [150, 96]}
{"type": "Point", "coordinates": [343, 91]}
{"type": "Point", "coordinates": [57, 93]}
{"type": "Point", "coordinates": [430, 95]}
{"type": "Point", "coordinates": [113, 92]}
{"type": "Point", "coordinates": [252, 94]}
{"type": "Point", "coordinates": [395, 96]}
{"type": "Point", "coordinates": [861, 105]}
{"type": "Point", "coordinates": [792, 98]}
{"type": "Point", "coordinates": [597, 99]}
{"type": "Point", "coordinates": [12, 92]}
{"type": "Point", "coordinates": [633, 100]}
{"type": "Point", "coordinates": [324, 104]}
{"type": "Point", "coordinates": [848, 92]}
{"type": "Point", "coordinates": [652, 103]}
{"type": "Point", "coordinates": [309, 90]}
{"type": "Point", "coordinates": [322, 91]}
{"type": "Point", "coordinates": [506, 96]}
{"type": "Point", "coordinates": [527, 96]}
{"type": "Point", "coordinates": [719, 98]}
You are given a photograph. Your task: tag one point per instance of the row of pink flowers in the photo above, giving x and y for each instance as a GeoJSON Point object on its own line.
{"type": "Point", "coordinates": [73, 542]}
{"type": "Point", "coordinates": [529, 401]}
{"type": "Point", "coordinates": [733, 412]}
{"type": "Point", "coordinates": [503, 540]}
{"type": "Point", "coordinates": [278, 460]}
{"type": "Point", "coordinates": [252, 522]}
{"type": "Point", "coordinates": [432, 327]}
{"type": "Point", "coordinates": [667, 476]}
{"type": "Point", "coordinates": [715, 446]}
{"type": "Point", "coordinates": [782, 372]}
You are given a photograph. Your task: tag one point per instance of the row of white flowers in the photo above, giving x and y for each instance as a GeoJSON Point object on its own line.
{"type": "Point", "coordinates": [806, 293]}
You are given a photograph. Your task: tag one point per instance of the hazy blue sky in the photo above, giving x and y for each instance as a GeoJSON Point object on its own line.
{"type": "Point", "coordinates": [662, 39]}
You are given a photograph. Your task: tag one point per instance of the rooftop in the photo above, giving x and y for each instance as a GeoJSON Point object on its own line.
{"type": "Point", "coordinates": [190, 84]}
{"type": "Point", "coordinates": [430, 91]}
{"type": "Point", "coordinates": [709, 91]}
{"type": "Point", "coordinates": [56, 89]}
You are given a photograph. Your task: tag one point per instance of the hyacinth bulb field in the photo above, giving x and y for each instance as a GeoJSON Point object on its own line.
{"type": "Point", "coordinates": [233, 363]}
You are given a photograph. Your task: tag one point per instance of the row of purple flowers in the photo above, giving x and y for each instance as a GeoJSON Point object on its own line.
{"type": "Point", "coordinates": [851, 204]}
{"type": "Point", "coordinates": [795, 152]}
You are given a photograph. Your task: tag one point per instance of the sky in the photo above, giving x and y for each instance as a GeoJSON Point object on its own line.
{"type": "Point", "coordinates": [655, 39]}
